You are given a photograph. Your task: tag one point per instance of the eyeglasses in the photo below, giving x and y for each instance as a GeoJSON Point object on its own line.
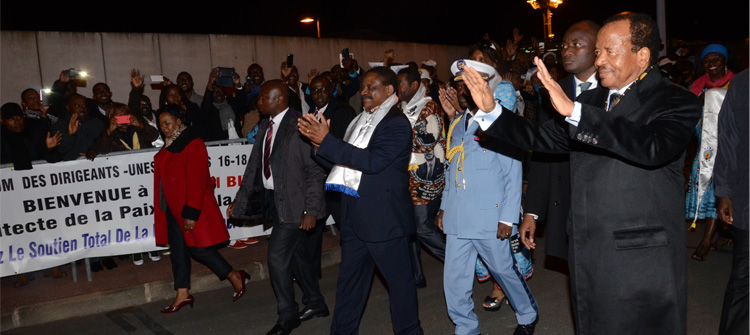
{"type": "Point", "coordinates": [319, 90]}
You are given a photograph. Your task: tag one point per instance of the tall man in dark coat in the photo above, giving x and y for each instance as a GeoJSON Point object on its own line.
{"type": "Point", "coordinates": [626, 226]}
{"type": "Point", "coordinates": [548, 189]}
{"type": "Point", "coordinates": [731, 178]}
{"type": "Point", "coordinates": [371, 171]}
{"type": "Point", "coordinates": [291, 186]}
{"type": "Point", "coordinates": [340, 115]}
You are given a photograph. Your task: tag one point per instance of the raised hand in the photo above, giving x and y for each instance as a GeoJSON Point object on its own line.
{"type": "Point", "coordinates": [212, 78]}
{"type": "Point", "coordinates": [65, 76]}
{"type": "Point", "coordinates": [480, 89]}
{"type": "Point", "coordinates": [136, 79]}
{"type": "Point", "coordinates": [559, 99]}
{"type": "Point", "coordinates": [285, 71]}
{"type": "Point", "coordinates": [73, 125]}
{"type": "Point", "coordinates": [389, 56]}
{"type": "Point", "coordinates": [312, 74]}
{"type": "Point", "coordinates": [54, 140]}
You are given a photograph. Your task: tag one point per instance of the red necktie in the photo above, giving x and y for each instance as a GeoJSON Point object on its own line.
{"type": "Point", "coordinates": [267, 151]}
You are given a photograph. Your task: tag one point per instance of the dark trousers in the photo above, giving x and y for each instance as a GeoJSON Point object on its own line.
{"type": "Point", "coordinates": [314, 243]}
{"type": "Point", "coordinates": [288, 258]}
{"type": "Point", "coordinates": [428, 236]}
{"type": "Point", "coordinates": [734, 313]}
{"type": "Point", "coordinates": [181, 253]}
{"type": "Point", "coordinates": [315, 236]}
{"type": "Point", "coordinates": [358, 261]}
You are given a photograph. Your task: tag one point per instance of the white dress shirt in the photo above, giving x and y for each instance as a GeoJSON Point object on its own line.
{"type": "Point", "coordinates": [268, 182]}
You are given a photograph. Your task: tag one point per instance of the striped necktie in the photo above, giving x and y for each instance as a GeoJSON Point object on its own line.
{"type": "Point", "coordinates": [613, 99]}
{"type": "Point", "coordinates": [267, 151]}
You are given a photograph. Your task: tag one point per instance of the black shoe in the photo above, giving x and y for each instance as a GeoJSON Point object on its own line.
{"type": "Point", "coordinates": [525, 329]}
{"type": "Point", "coordinates": [310, 313]}
{"type": "Point", "coordinates": [284, 329]}
{"type": "Point", "coordinates": [109, 263]}
{"type": "Point", "coordinates": [421, 284]}
{"type": "Point", "coordinates": [96, 266]}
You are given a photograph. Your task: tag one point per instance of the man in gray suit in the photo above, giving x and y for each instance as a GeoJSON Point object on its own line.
{"type": "Point", "coordinates": [288, 182]}
{"type": "Point", "coordinates": [627, 149]}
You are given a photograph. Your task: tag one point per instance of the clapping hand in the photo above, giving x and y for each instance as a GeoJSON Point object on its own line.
{"type": "Point", "coordinates": [315, 130]}
{"type": "Point", "coordinates": [449, 101]}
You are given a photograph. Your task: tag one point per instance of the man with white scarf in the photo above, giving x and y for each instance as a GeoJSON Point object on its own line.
{"type": "Point", "coordinates": [425, 167]}
{"type": "Point", "coordinates": [370, 169]}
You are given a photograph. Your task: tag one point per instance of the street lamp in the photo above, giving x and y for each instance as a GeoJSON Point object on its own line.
{"type": "Point", "coordinates": [309, 19]}
{"type": "Point", "coordinates": [546, 5]}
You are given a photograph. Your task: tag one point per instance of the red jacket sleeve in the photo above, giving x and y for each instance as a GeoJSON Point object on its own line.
{"type": "Point", "coordinates": [196, 178]}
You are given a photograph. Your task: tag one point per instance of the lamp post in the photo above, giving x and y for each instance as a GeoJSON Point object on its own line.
{"type": "Point", "coordinates": [309, 19]}
{"type": "Point", "coordinates": [546, 5]}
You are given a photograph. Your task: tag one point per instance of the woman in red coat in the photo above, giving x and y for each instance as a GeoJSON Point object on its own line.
{"type": "Point", "coordinates": [186, 212]}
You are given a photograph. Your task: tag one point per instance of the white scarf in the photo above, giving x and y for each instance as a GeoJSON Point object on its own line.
{"type": "Point", "coordinates": [709, 142]}
{"type": "Point", "coordinates": [344, 179]}
{"type": "Point", "coordinates": [412, 110]}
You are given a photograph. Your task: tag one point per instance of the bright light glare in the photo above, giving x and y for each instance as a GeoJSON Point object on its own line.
{"type": "Point", "coordinates": [83, 74]}
{"type": "Point", "coordinates": [307, 19]}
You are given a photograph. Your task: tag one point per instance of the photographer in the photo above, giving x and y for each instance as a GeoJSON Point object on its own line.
{"type": "Point", "coordinates": [222, 111]}
{"type": "Point", "coordinates": [125, 131]}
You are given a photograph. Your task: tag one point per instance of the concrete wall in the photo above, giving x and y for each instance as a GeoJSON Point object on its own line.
{"type": "Point", "coordinates": [31, 59]}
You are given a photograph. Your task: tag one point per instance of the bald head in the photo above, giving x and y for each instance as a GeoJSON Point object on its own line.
{"type": "Point", "coordinates": [274, 97]}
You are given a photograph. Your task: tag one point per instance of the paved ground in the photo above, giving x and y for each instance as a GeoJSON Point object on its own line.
{"type": "Point", "coordinates": [133, 308]}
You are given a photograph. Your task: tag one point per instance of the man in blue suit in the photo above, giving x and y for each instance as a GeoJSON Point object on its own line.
{"type": "Point", "coordinates": [481, 202]}
{"type": "Point", "coordinates": [370, 169]}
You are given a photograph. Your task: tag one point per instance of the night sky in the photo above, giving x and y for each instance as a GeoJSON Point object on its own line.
{"type": "Point", "coordinates": [453, 22]}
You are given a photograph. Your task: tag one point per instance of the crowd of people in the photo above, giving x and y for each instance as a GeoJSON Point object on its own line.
{"type": "Point", "coordinates": [590, 140]}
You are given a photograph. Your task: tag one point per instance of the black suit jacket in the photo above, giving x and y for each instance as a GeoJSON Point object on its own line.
{"type": "Point", "coordinates": [210, 124]}
{"type": "Point", "coordinates": [548, 188]}
{"type": "Point", "coordinates": [626, 221]}
{"type": "Point", "coordinates": [340, 115]}
{"type": "Point", "coordinates": [731, 167]}
{"type": "Point", "coordinates": [384, 209]}
{"type": "Point", "coordinates": [93, 111]}
{"type": "Point", "coordinates": [298, 180]}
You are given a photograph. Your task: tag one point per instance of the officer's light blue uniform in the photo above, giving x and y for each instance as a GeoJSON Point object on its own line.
{"type": "Point", "coordinates": [482, 187]}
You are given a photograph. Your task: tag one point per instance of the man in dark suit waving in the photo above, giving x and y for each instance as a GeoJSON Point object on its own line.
{"type": "Point", "coordinates": [627, 148]}
{"type": "Point", "coordinates": [282, 173]}
{"type": "Point", "coordinates": [371, 171]}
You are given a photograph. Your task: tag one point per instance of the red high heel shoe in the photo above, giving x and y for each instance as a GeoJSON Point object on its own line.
{"type": "Point", "coordinates": [188, 301]}
{"type": "Point", "coordinates": [244, 278]}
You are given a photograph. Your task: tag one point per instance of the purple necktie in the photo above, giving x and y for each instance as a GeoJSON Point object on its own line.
{"type": "Point", "coordinates": [267, 151]}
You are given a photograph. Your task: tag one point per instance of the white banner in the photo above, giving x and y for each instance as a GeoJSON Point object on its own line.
{"type": "Point", "coordinates": [59, 213]}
